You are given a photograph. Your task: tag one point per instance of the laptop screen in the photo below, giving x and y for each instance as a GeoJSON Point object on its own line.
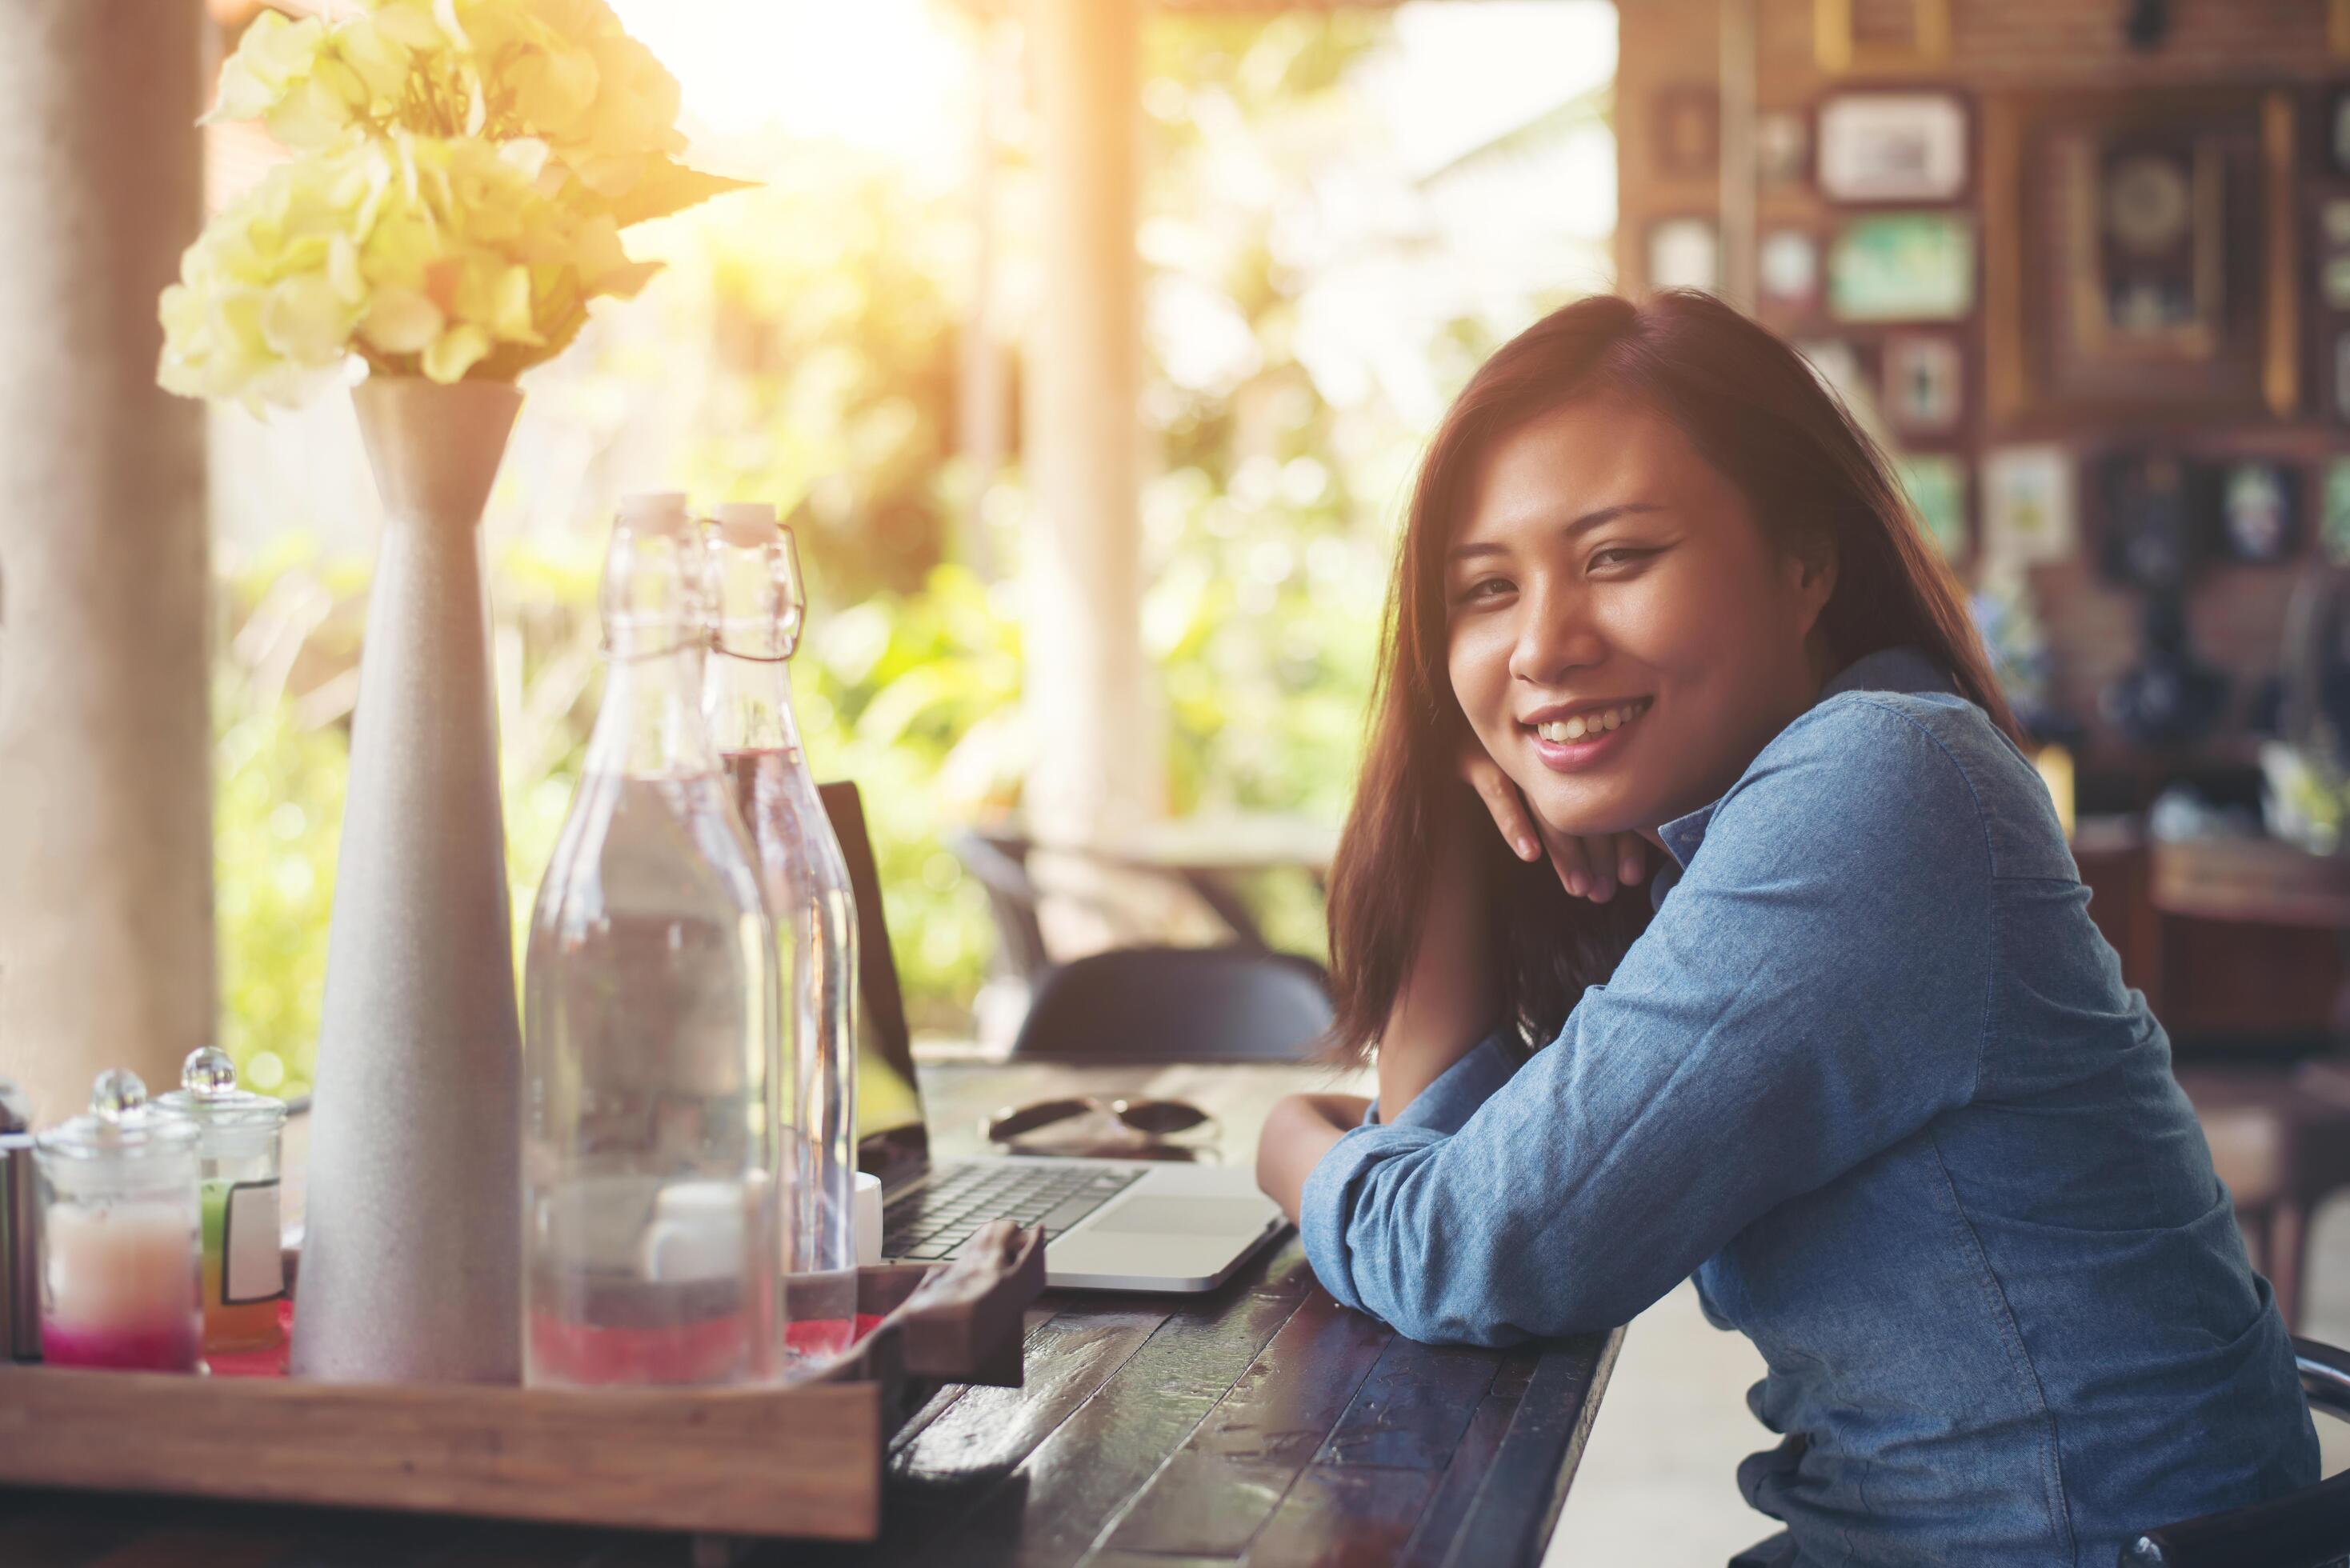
{"type": "Point", "coordinates": [892, 1141]}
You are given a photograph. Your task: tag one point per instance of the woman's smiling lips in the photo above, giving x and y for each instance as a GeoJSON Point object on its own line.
{"type": "Point", "coordinates": [1570, 738]}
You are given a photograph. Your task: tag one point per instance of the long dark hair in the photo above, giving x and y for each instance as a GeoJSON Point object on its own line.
{"type": "Point", "coordinates": [1753, 409]}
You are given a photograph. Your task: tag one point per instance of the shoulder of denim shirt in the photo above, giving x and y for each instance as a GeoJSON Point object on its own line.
{"type": "Point", "coordinates": [1891, 763]}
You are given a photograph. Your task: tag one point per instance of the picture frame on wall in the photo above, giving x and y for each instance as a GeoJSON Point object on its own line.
{"type": "Point", "coordinates": [1783, 147]}
{"type": "Point", "coordinates": [2146, 229]}
{"type": "Point", "coordinates": [1936, 484]}
{"type": "Point", "coordinates": [1837, 45]}
{"type": "Point", "coordinates": [1685, 253]}
{"type": "Point", "coordinates": [1787, 269]}
{"type": "Point", "coordinates": [1902, 266]}
{"type": "Point", "coordinates": [1924, 389]}
{"type": "Point", "coordinates": [1687, 134]}
{"type": "Point", "coordinates": [2333, 223]}
{"type": "Point", "coordinates": [2145, 255]}
{"type": "Point", "coordinates": [2333, 531]}
{"type": "Point", "coordinates": [2254, 512]}
{"type": "Point", "coordinates": [2147, 539]}
{"type": "Point", "coordinates": [1893, 147]}
{"type": "Point", "coordinates": [2029, 508]}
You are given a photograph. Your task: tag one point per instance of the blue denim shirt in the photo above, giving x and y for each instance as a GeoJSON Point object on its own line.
{"type": "Point", "coordinates": [1872, 1074]}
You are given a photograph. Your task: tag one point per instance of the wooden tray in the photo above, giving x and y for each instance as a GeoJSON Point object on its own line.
{"type": "Point", "coordinates": [803, 1461]}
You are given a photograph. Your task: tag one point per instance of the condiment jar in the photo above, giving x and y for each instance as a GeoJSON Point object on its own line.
{"type": "Point", "coordinates": [237, 1156]}
{"type": "Point", "coordinates": [119, 1235]}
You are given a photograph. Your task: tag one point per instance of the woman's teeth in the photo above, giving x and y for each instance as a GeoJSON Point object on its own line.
{"type": "Point", "coordinates": [1586, 725]}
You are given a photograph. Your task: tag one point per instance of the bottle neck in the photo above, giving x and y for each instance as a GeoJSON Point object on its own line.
{"type": "Point", "coordinates": [650, 723]}
{"type": "Point", "coordinates": [749, 701]}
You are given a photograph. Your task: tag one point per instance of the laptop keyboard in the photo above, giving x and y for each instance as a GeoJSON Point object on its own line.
{"type": "Point", "coordinates": [940, 1216]}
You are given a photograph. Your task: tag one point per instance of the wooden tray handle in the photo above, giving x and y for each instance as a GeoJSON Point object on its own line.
{"type": "Point", "coordinates": [960, 1322]}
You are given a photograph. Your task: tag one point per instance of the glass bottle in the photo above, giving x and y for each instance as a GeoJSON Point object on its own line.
{"type": "Point", "coordinates": [121, 1249]}
{"type": "Point", "coordinates": [649, 1047]}
{"type": "Point", "coordinates": [238, 1133]}
{"type": "Point", "coordinates": [760, 607]}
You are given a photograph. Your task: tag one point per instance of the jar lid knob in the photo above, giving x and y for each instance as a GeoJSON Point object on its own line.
{"type": "Point", "coordinates": [208, 1074]}
{"type": "Point", "coordinates": [116, 1094]}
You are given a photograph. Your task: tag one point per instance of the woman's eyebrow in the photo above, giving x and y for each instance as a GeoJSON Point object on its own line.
{"type": "Point", "coordinates": [1588, 519]}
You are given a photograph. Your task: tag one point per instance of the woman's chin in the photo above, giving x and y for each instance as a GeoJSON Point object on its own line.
{"type": "Point", "coordinates": [1574, 815]}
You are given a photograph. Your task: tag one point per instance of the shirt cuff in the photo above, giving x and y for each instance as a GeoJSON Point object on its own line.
{"type": "Point", "coordinates": [1445, 1104]}
{"type": "Point", "coordinates": [1327, 1203]}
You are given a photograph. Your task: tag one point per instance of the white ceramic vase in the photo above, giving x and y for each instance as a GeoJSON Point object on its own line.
{"type": "Point", "coordinates": [412, 1228]}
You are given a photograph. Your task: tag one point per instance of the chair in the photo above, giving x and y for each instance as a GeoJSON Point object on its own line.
{"type": "Point", "coordinates": [1177, 1004]}
{"type": "Point", "coordinates": [2308, 1529]}
{"type": "Point", "coordinates": [2280, 1138]}
{"type": "Point", "coordinates": [1000, 861]}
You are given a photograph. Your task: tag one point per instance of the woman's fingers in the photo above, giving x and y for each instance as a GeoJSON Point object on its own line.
{"type": "Point", "coordinates": [1572, 864]}
{"type": "Point", "coordinates": [1507, 807]}
{"type": "Point", "coordinates": [1592, 868]}
{"type": "Point", "coordinates": [1631, 859]}
{"type": "Point", "coordinates": [1599, 852]}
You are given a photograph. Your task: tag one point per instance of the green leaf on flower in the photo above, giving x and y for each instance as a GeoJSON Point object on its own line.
{"type": "Point", "coordinates": [664, 186]}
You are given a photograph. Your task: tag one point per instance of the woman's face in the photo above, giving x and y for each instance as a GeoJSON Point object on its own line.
{"type": "Point", "coordinates": [1622, 638]}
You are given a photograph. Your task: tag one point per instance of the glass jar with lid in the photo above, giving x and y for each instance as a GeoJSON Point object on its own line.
{"type": "Point", "coordinates": [239, 1133]}
{"type": "Point", "coordinates": [120, 1233]}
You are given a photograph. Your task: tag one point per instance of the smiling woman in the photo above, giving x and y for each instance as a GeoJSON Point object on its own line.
{"type": "Point", "coordinates": [1859, 1061]}
{"type": "Point", "coordinates": [1656, 505]}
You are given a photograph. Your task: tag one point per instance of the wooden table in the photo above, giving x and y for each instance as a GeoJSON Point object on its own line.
{"type": "Point", "coordinates": [1261, 1424]}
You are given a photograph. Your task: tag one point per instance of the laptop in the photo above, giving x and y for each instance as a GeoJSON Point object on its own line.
{"type": "Point", "coordinates": [1109, 1224]}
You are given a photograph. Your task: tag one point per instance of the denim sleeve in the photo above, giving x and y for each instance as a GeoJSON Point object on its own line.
{"type": "Point", "coordinates": [1814, 990]}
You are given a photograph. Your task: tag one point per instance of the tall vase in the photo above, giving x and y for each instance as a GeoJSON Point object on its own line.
{"type": "Point", "coordinates": [413, 1224]}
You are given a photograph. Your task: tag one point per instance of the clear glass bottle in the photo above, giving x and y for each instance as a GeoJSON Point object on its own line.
{"type": "Point", "coordinates": [649, 1046]}
{"type": "Point", "coordinates": [120, 1248]}
{"type": "Point", "coordinates": [236, 1155]}
{"type": "Point", "coordinates": [760, 607]}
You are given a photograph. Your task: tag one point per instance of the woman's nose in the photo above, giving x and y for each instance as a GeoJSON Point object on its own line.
{"type": "Point", "coordinates": [1556, 636]}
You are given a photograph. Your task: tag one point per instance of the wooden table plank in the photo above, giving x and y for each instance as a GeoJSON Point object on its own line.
{"type": "Point", "coordinates": [983, 1437]}
{"type": "Point", "coordinates": [1411, 1410]}
{"type": "Point", "coordinates": [1517, 1506]}
{"type": "Point", "coordinates": [1340, 1516]}
{"type": "Point", "coordinates": [1232, 1473]}
{"type": "Point", "coordinates": [1061, 1501]}
{"type": "Point", "coordinates": [1431, 1540]}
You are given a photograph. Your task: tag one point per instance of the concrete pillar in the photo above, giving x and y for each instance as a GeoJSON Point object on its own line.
{"type": "Point", "coordinates": [106, 926]}
{"type": "Point", "coordinates": [1741, 244]}
{"type": "Point", "coordinates": [1093, 705]}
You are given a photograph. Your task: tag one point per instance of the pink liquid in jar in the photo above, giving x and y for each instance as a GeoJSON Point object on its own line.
{"type": "Point", "coordinates": [120, 1287]}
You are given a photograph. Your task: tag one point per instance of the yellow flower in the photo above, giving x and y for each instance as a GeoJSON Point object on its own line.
{"type": "Point", "coordinates": [454, 352]}
{"type": "Point", "coordinates": [275, 55]}
{"type": "Point", "coordinates": [438, 256]}
{"type": "Point", "coordinates": [401, 321]}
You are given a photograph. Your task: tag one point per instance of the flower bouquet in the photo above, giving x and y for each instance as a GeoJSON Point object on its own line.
{"type": "Point", "coordinates": [461, 172]}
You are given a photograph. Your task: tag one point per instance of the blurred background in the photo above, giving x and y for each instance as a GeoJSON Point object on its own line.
{"type": "Point", "coordinates": [1087, 344]}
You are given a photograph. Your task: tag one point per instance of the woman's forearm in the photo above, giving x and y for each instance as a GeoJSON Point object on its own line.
{"type": "Point", "coordinates": [1298, 1131]}
{"type": "Point", "coordinates": [1449, 998]}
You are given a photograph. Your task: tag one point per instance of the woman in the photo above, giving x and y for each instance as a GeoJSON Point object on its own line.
{"type": "Point", "coordinates": [1855, 1057]}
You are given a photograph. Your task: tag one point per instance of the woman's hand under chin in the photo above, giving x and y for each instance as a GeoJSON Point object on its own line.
{"type": "Point", "coordinates": [1588, 866]}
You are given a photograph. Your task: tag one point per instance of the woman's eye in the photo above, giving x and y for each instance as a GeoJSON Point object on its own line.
{"type": "Point", "coordinates": [1482, 588]}
{"type": "Point", "coordinates": [1618, 555]}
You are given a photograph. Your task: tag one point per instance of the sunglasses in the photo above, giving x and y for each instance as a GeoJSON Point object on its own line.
{"type": "Point", "coordinates": [1151, 1118]}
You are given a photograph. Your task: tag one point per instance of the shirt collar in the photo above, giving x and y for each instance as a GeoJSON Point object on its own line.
{"type": "Point", "coordinates": [1903, 668]}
